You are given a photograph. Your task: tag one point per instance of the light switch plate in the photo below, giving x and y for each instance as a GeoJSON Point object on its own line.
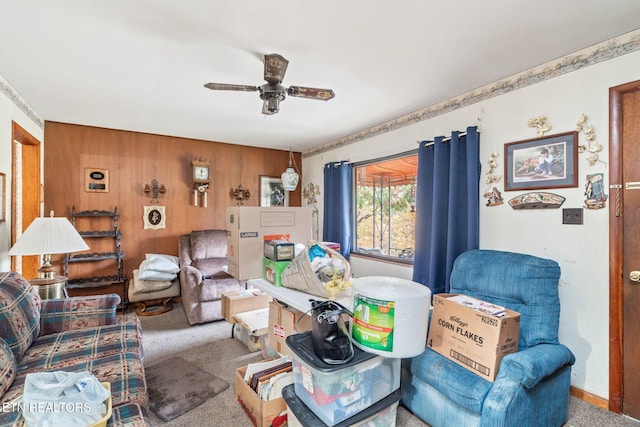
{"type": "Point", "coordinates": [572, 216]}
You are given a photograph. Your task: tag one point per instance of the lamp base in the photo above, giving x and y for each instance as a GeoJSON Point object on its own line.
{"type": "Point", "coordinates": [50, 288]}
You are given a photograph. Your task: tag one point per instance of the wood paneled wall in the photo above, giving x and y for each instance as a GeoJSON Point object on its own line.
{"type": "Point", "coordinates": [135, 159]}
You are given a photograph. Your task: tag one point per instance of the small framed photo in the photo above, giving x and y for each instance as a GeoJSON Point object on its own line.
{"type": "Point", "coordinates": [545, 162]}
{"type": "Point", "coordinates": [272, 192]}
{"type": "Point", "coordinates": [3, 198]}
{"type": "Point", "coordinates": [154, 218]}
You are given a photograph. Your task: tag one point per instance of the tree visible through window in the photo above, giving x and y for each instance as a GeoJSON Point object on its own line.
{"type": "Point", "coordinates": [385, 206]}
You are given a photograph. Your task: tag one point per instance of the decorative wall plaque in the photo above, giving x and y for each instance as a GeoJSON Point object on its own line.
{"type": "Point", "coordinates": [96, 180]}
{"type": "Point", "coordinates": [154, 218]}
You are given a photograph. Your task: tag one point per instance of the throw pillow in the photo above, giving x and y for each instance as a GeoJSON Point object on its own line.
{"type": "Point", "coordinates": [156, 275]}
{"type": "Point", "coordinates": [162, 264]}
{"type": "Point", "coordinates": [142, 286]}
{"type": "Point", "coordinates": [19, 313]}
{"type": "Point", "coordinates": [7, 367]}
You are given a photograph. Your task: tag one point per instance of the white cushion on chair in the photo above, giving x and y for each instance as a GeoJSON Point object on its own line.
{"type": "Point", "coordinates": [134, 295]}
{"type": "Point", "coordinates": [144, 286]}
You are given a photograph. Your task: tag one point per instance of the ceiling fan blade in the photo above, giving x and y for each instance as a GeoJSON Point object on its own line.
{"type": "Point", "coordinates": [274, 68]}
{"type": "Point", "coordinates": [225, 86]}
{"type": "Point", "coordinates": [311, 93]}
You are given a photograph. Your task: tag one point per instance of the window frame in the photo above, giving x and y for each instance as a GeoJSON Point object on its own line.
{"type": "Point", "coordinates": [354, 209]}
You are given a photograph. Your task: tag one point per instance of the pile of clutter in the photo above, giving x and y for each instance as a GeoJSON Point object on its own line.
{"type": "Point", "coordinates": [318, 270]}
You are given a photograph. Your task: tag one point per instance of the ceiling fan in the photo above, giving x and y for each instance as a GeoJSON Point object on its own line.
{"type": "Point", "coordinates": [272, 92]}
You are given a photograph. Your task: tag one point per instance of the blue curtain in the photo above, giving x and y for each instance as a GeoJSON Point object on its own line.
{"type": "Point", "coordinates": [337, 225]}
{"type": "Point", "coordinates": [447, 206]}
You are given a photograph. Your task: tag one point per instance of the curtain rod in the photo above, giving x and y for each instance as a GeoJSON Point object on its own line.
{"type": "Point", "coordinates": [447, 139]}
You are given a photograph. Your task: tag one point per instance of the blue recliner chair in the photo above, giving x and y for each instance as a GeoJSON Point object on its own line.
{"type": "Point", "coordinates": [532, 386]}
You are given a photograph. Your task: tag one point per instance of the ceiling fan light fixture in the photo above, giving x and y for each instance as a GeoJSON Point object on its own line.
{"type": "Point", "coordinates": [272, 105]}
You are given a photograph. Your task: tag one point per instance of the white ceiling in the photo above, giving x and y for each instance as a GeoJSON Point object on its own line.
{"type": "Point", "coordinates": [140, 65]}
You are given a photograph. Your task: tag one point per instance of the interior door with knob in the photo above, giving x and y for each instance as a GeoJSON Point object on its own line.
{"type": "Point", "coordinates": [625, 214]}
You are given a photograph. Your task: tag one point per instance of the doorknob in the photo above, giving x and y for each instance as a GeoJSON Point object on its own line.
{"type": "Point", "coordinates": [634, 276]}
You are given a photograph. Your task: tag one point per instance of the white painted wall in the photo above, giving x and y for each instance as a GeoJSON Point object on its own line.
{"type": "Point", "coordinates": [10, 112]}
{"type": "Point", "coordinates": [581, 251]}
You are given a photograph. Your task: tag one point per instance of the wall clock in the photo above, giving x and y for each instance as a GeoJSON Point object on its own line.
{"type": "Point", "coordinates": [201, 172]}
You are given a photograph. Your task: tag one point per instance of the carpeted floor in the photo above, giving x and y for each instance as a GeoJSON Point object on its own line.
{"type": "Point", "coordinates": [211, 347]}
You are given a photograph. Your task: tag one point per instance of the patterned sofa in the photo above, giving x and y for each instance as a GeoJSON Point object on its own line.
{"type": "Point", "coordinates": [72, 334]}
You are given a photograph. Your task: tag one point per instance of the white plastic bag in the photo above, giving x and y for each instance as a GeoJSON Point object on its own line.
{"type": "Point", "coordinates": [59, 398]}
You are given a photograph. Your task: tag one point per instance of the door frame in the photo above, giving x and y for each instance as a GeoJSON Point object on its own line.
{"type": "Point", "coordinates": [615, 242]}
{"type": "Point", "coordinates": [21, 136]}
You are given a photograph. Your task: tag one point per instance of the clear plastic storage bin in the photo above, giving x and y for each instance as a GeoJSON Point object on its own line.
{"type": "Point", "coordinates": [337, 392]}
{"type": "Point", "coordinates": [380, 414]}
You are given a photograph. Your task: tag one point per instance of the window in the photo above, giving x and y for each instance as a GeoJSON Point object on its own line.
{"type": "Point", "coordinates": [385, 206]}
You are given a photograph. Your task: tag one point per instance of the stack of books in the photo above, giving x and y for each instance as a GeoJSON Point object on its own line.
{"type": "Point", "coordinates": [269, 377]}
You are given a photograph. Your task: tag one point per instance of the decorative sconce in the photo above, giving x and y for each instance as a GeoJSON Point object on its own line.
{"type": "Point", "coordinates": [491, 178]}
{"type": "Point", "coordinates": [493, 196]}
{"type": "Point", "coordinates": [592, 146]}
{"type": "Point", "coordinates": [289, 177]}
{"type": "Point", "coordinates": [154, 191]}
{"type": "Point", "coordinates": [241, 194]}
{"type": "Point", "coordinates": [541, 124]}
{"type": "Point", "coordinates": [310, 193]}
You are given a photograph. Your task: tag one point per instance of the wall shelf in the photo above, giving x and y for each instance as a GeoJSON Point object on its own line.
{"type": "Point", "coordinates": [99, 284]}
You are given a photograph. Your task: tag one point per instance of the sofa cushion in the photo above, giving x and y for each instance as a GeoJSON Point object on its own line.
{"type": "Point", "coordinates": [7, 366]}
{"type": "Point", "coordinates": [58, 351]}
{"type": "Point", "coordinates": [208, 244]}
{"type": "Point", "coordinates": [457, 383]}
{"type": "Point", "coordinates": [211, 267]}
{"type": "Point", "coordinates": [124, 371]}
{"type": "Point", "coordinates": [58, 315]}
{"type": "Point", "coordinates": [212, 289]}
{"type": "Point", "coordinates": [19, 313]}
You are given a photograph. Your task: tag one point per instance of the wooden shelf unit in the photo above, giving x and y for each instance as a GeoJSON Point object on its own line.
{"type": "Point", "coordinates": [102, 284]}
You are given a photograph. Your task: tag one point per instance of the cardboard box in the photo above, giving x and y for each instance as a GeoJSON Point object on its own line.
{"type": "Point", "coordinates": [471, 334]}
{"type": "Point", "coordinates": [260, 412]}
{"type": "Point", "coordinates": [282, 323]}
{"type": "Point", "coordinates": [279, 250]}
{"type": "Point", "coordinates": [240, 301]}
{"type": "Point", "coordinates": [272, 271]}
{"type": "Point", "coordinates": [248, 227]}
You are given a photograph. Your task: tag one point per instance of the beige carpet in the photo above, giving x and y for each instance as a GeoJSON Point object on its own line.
{"type": "Point", "coordinates": [211, 348]}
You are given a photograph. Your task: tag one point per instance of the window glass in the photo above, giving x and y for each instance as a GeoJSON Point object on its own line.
{"type": "Point", "coordinates": [385, 206]}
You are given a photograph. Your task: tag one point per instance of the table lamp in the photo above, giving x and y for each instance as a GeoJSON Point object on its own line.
{"type": "Point", "coordinates": [46, 236]}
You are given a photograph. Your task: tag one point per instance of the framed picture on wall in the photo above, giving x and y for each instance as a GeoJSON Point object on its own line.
{"type": "Point", "coordinates": [272, 192]}
{"type": "Point", "coordinates": [154, 217]}
{"type": "Point", "coordinates": [544, 162]}
{"type": "Point", "coordinates": [3, 179]}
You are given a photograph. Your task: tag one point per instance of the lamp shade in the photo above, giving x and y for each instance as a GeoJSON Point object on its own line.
{"type": "Point", "coordinates": [49, 235]}
{"type": "Point", "coordinates": [289, 179]}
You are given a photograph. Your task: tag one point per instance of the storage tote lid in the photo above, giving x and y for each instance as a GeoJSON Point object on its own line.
{"type": "Point", "coordinates": [309, 419]}
{"type": "Point", "coordinates": [302, 346]}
